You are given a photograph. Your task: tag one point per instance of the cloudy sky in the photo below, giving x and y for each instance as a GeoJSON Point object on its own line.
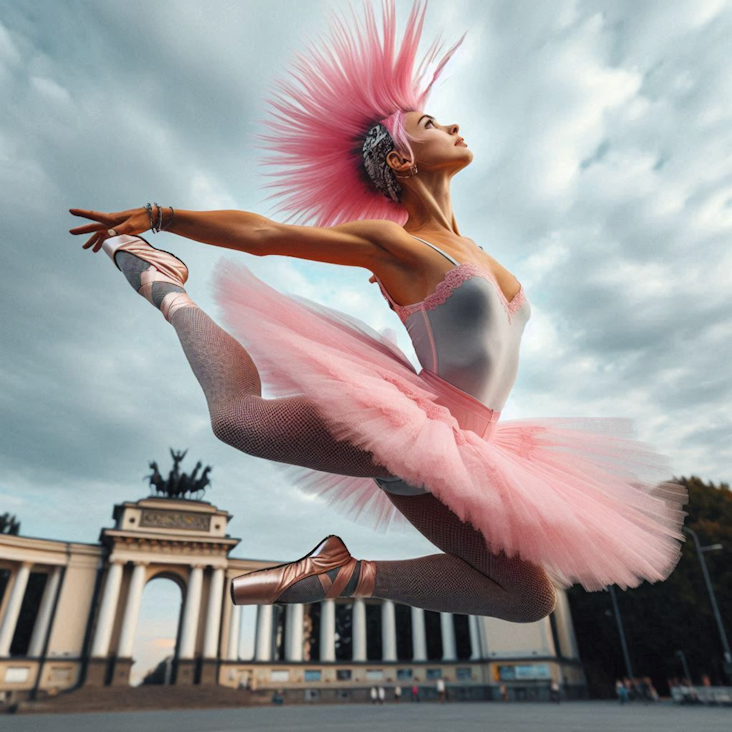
{"type": "Point", "coordinates": [602, 178]}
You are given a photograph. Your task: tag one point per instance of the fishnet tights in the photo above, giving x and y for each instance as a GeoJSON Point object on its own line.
{"type": "Point", "coordinates": [287, 430]}
{"type": "Point", "coordinates": [467, 579]}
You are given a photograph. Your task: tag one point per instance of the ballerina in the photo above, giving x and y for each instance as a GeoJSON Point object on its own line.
{"type": "Point", "coordinates": [517, 508]}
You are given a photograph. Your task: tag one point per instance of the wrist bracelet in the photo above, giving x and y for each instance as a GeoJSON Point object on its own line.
{"type": "Point", "coordinates": [170, 220]}
{"type": "Point", "coordinates": [159, 227]}
{"type": "Point", "coordinates": [148, 207]}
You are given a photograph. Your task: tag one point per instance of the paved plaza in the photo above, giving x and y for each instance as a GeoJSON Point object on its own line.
{"type": "Point", "coordinates": [597, 716]}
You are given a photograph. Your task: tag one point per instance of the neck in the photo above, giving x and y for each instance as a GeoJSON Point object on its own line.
{"type": "Point", "coordinates": [428, 202]}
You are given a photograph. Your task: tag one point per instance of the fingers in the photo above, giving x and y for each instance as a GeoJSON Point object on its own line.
{"type": "Point", "coordinates": [100, 229]}
{"type": "Point", "coordinates": [85, 213]}
{"type": "Point", "coordinates": [88, 228]}
{"type": "Point", "coordinates": [98, 239]}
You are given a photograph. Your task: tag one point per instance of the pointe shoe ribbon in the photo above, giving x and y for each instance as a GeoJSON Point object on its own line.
{"type": "Point", "coordinates": [264, 586]}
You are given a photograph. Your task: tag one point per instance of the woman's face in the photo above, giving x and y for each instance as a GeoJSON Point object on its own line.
{"type": "Point", "coordinates": [436, 146]}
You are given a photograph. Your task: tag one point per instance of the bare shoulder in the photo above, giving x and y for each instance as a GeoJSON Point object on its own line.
{"type": "Point", "coordinates": [396, 245]}
{"type": "Point", "coordinates": [385, 233]}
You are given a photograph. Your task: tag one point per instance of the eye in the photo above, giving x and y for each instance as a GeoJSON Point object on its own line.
{"type": "Point", "coordinates": [428, 122]}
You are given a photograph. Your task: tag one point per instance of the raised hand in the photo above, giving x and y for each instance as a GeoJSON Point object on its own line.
{"type": "Point", "coordinates": [134, 221]}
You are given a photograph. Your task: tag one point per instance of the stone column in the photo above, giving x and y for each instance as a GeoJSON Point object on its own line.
{"type": "Point", "coordinates": [565, 628]}
{"type": "Point", "coordinates": [482, 635]}
{"type": "Point", "coordinates": [359, 629]}
{"type": "Point", "coordinates": [447, 626]}
{"type": "Point", "coordinates": [191, 612]}
{"type": "Point", "coordinates": [293, 632]}
{"type": "Point", "coordinates": [40, 629]}
{"type": "Point", "coordinates": [419, 640]}
{"type": "Point", "coordinates": [232, 650]}
{"type": "Point", "coordinates": [7, 630]}
{"type": "Point", "coordinates": [327, 630]}
{"type": "Point", "coordinates": [475, 653]}
{"type": "Point", "coordinates": [108, 609]}
{"type": "Point", "coordinates": [213, 614]}
{"type": "Point", "coordinates": [263, 648]}
{"type": "Point", "coordinates": [388, 631]}
{"type": "Point", "coordinates": [132, 610]}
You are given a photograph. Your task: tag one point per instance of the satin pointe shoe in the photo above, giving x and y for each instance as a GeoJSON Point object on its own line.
{"type": "Point", "coordinates": [330, 562]}
{"type": "Point", "coordinates": [166, 267]}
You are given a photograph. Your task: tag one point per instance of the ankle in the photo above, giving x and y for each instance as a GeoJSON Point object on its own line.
{"type": "Point", "coordinates": [174, 301]}
{"type": "Point", "coordinates": [363, 581]}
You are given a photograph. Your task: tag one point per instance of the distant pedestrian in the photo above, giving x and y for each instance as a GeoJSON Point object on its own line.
{"type": "Point", "coordinates": [397, 693]}
{"type": "Point", "coordinates": [382, 694]}
{"type": "Point", "coordinates": [415, 693]}
{"type": "Point", "coordinates": [654, 693]}
{"type": "Point", "coordinates": [622, 691]}
{"type": "Point", "coordinates": [554, 694]}
{"type": "Point", "coordinates": [441, 690]}
{"type": "Point", "coordinates": [374, 695]}
{"type": "Point", "coordinates": [504, 692]}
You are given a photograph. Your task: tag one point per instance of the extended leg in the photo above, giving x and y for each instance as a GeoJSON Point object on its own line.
{"type": "Point", "coordinates": [287, 430]}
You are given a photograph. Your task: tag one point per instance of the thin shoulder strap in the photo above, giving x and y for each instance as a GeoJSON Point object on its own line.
{"type": "Point", "coordinates": [438, 249]}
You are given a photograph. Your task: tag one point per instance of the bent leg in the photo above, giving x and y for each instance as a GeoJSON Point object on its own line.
{"type": "Point", "coordinates": [286, 430]}
{"type": "Point", "coordinates": [468, 579]}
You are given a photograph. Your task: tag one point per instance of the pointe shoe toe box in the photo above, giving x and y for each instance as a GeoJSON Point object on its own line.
{"type": "Point", "coordinates": [168, 268]}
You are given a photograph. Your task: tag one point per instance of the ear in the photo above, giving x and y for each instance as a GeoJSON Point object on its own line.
{"type": "Point", "coordinates": [397, 162]}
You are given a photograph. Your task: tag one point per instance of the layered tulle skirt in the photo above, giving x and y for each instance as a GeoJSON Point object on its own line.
{"type": "Point", "coordinates": [579, 496]}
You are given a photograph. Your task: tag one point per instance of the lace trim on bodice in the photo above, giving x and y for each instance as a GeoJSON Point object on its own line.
{"type": "Point", "coordinates": [452, 280]}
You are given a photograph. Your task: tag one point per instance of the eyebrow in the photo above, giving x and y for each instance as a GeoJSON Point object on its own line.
{"type": "Point", "coordinates": [425, 115]}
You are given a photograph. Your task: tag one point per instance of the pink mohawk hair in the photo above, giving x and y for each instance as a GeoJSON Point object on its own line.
{"type": "Point", "coordinates": [348, 85]}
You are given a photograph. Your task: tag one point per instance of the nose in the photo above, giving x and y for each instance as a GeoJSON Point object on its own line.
{"type": "Point", "coordinates": [454, 129]}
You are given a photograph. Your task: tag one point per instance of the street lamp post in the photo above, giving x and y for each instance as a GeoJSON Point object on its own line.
{"type": "Point", "coordinates": [700, 551]}
{"type": "Point", "coordinates": [628, 668]}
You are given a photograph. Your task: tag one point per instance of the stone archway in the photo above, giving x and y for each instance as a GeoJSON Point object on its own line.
{"type": "Point", "coordinates": [179, 539]}
{"type": "Point", "coordinates": [157, 635]}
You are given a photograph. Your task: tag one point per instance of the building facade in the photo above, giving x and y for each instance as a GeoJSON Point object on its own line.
{"type": "Point", "coordinates": [69, 613]}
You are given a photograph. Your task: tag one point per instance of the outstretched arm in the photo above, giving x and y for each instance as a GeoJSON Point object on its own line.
{"type": "Point", "coordinates": [355, 243]}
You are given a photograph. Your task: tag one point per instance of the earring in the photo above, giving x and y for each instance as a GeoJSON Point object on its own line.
{"type": "Point", "coordinates": [413, 171]}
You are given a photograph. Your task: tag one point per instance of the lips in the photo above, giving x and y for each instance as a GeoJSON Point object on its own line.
{"type": "Point", "coordinates": [459, 140]}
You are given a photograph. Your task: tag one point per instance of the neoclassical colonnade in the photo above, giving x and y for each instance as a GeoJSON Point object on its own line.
{"type": "Point", "coordinates": [294, 633]}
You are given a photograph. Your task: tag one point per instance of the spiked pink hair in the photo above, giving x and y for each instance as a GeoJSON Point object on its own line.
{"type": "Point", "coordinates": [348, 85]}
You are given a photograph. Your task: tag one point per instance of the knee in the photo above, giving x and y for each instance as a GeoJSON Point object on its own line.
{"type": "Point", "coordinates": [226, 429]}
{"type": "Point", "coordinates": [537, 603]}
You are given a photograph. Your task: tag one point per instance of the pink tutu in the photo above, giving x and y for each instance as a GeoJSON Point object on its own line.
{"type": "Point", "coordinates": [579, 496]}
